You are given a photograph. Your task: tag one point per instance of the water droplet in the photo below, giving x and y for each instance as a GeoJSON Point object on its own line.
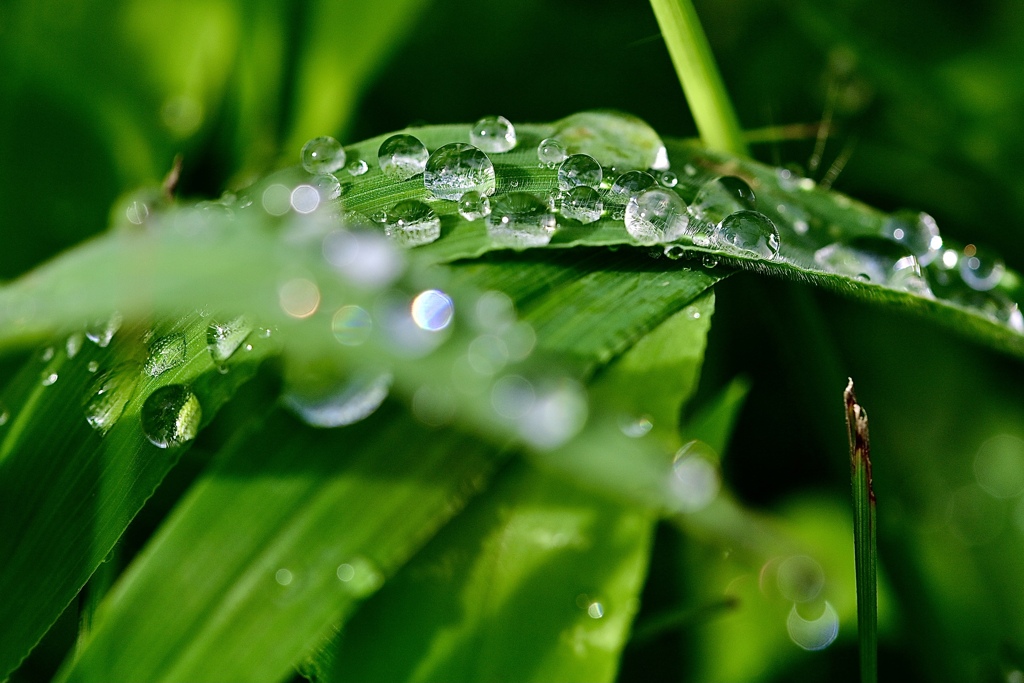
{"type": "Point", "coordinates": [305, 199]}
{"type": "Point", "coordinates": [357, 167]}
{"type": "Point", "coordinates": [343, 404]}
{"type": "Point", "coordinates": [73, 344]}
{"type": "Point", "coordinates": [551, 152]}
{"type": "Point", "coordinates": [171, 416]}
{"type": "Point", "coordinates": [595, 610]}
{"type": "Point", "coordinates": [695, 480]}
{"type": "Point", "coordinates": [351, 325]}
{"type": "Point", "coordinates": [979, 269]}
{"type": "Point", "coordinates": [579, 169]}
{"type": "Point", "coordinates": [519, 219]}
{"type": "Point", "coordinates": [800, 578]}
{"type": "Point", "coordinates": [750, 232]}
{"type": "Point", "coordinates": [493, 134]}
{"type": "Point", "coordinates": [720, 197]}
{"type": "Point", "coordinates": [630, 184]}
{"type": "Point", "coordinates": [457, 168]}
{"type": "Point", "coordinates": [432, 310]}
{"type": "Point", "coordinates": [93, 366]}
{"type": "Point", "coordinates": [916, 231]}
{"type": "Point", "coordinates": [109, 394]}
{"type": "Point", "coordinates": [582, 203]}
{"type": "Point", "coordinates": [283, 577]}
{"type": "Point", "coordinates": [46, 355]}
{"type": "Point", "coordinates": [223, 339]}
{"type": "Point", "coordinates": [635, 427]}
{"type": "Point", "coordinates": [327, 186]}
{"type": "Point", "coordinates": [813, 634]}
{"type": "Point", "coordinates": [675, 252]}
{"type": "Point", "coordinates": [402, 157]}
{"type": "Point", "coordinates": [474, 206]}
{"type": "Point", "coordinates": [709, 260]}
{"type": "Point", "coordinates": [49, 378]}
{"type": "Point", "coordinates": [656, 215]}
{"type": "Point", "coordinates": [668, 179]}
{"type": "Point", "coordinates": [165, 353]}
{"type": "Point", "coordinates": [299, 298]}
{"type": "Point", "coordinates": [101, 332]}
{"type": "Point", "coordinates": [411, 223]}
{"type": "Point", "coordinates": [360, 576]}
{"type": "Point", "coordinates": [137, 212]}
{"type": "Point", "coordinates": [879, 260]}
{"type": "Point", "coordinates": [323, 155]}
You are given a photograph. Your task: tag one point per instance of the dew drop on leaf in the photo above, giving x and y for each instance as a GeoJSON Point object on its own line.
{"type": "Point", "coordinates": [583, 204]}
{"type": "Point", "coordinates": [551, 152]}
{"type": "Point", "coordinates": [109, 394]}
{"type": "Point", "coordinates": [357, 167]}
{"type": "Point", "coordinates": [749, 232]}
{"type": "Point", "coordinates": [474, 206]}
{"type": "Point", "coordinates": [171, 416]}
{"type": "Point", "coordinates": [720, 197]}
{"type": "Point", "coordinates": [457, 168]}
{"type": "Point", "coordinates": [165, 353]}
{"type": "Point", "coordinates": [323, 155]}
{"type": "Point", "coordinates": [917, 231]}
{"type": "Point", "coordinates": [520, 219]}
{"type": "Point", "coordinates": [411, 223]}
{"type": "Point", "coordinates": [493, 134]}
{"type": "Point", "coordinates": [402, 157]}
{"type": "Point", "coordinates": [224, 338]}
{"type": "Point", "coordinates": [579, 169]}
{"type": "Point", "coordinates": [101, 332]}
{"type": "Point", "coordinates": [656, 215]}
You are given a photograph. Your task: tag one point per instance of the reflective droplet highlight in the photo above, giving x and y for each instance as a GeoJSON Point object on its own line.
{"type": "Point", "coordinates": [357, 167]}
{"type": "Point", "coordinates": [102, 332]}
{"type": "Point", "coordinates": [323, 155]}
{"type": "Point", "coordinates": [917, 231]}
{"type": "Point", "coordinates": [457, 168]}
{"type": "Point", "coordinates": [402, 157]}
{"type": "Point", "coordinates": [412, 223]}
{"type": "Point", "coordinates": [656, 215]}
{"type": "Point", "coordinates": [171, 416]}
{"type": "Point", "coordinates": [551, 152]}
{"type": "Point", "coordinates": [493, 134]}
{"type": "Point", "coordinates": [432, 310]}
{"type": "Point", "coordinates": [749, 232]}
{"type": "Point", "coordinates": [166, 353]}
{"type": "Point", "coordinates": [519, 219]}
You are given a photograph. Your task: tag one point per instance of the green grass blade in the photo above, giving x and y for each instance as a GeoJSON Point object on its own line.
{"type": "Point", "coordinates": [66, 491]}
{"type": "Point", "coordinates": [695, 65]}
{"type": "Point", "coordinates": [864, 535]}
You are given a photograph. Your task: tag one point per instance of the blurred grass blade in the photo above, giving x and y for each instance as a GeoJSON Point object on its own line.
{"type": "Point", "coordinates": [695, 65]}
{"type": "Point", "coordinates": [67, 491]}
{"type": "Point", "coordinates": [864, 535]}
{"type": "Point", "coordinates": [283, 537]}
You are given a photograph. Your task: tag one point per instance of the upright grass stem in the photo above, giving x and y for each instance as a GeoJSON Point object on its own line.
{"type": "Point", "coordinates": [864, 539]}
{"type": "Point", "coordinates": [712, 110]}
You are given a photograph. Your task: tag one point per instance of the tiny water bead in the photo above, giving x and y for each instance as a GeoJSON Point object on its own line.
{"type": "Point", "coordinates": [171, 416]}
{"type": "Point", "coordinates": [224, 338]}
{"type": "Point", "coordinates": [327, 186]}
{"type": "Point", "coordinates": [519, 219]}
{"type": "Point", "coordinates": [720, 197]}
{"type": "Point", "coordinates": [583, 204]}
{"type": "Point", "coordinates": [579, 169]}
{"type": "Point", "coordinates": [551, 152]}
{"type": "Point", "coordinates": [411, 223]}
{"type": "Point", "coordinates": [109, 394]}
{"type": "Point", "coordinates": [668, 179]}
{"type": "Point", "coordinates": [402, 157]}
{"type": "Point", "coordinates": [432, 310]}
{"type": "Point", "coordinates": [630, 184]}
{"type": "Point", "coordinates": [323, 155]}
{"type": "Point", "coordinates": [474, 206]}
{"type": "Point", "coordinates": [494, 134]}
{"type": "Point", "coordinates": [917, 231]}
{"type": "Point", "coordinates": [656, 215]}
{"type": "Point", "coordinates": [357, 167]}
{"type": "Point", "coordinates": [749, 232]}
{"type": "Point", "coordinates": [979, 269]}
{"type": "Point", "coordinates": [166, 353]}
{"type": "Point", "coordinates": [351, 325]}
{"type": "Point", "coordinates": [458, 168]}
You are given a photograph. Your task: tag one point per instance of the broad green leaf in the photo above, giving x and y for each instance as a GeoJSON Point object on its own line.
{"type": "Point", "coordinates": [68, 489]}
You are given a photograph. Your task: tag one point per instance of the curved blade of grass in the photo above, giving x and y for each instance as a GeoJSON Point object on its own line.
{"type": "Point", "coordinates": [695, 66]}
{"type": "Point", "coordinates": [864, 535]}
{"type": "Point", "coordinates": [67, 492]}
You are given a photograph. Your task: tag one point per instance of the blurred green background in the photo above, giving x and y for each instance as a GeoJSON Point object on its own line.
{"type": "Point", "coordinates": [97, 98]}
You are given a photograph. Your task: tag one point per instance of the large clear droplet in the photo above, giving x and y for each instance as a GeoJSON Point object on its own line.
{"type": "Point", "coordinates": [411, 223]}
{"type": "Point", "coordinates": [980, 269]}
{"type": "Point", "coordinates": [165, 353]}
{"type": "Point", "coordinates": [493, 134]}
{"type": "Point", "coordinates": [656, 215]}
{"type": "Point", "coordinates": [519, 219]}
{"type": "Point", "coordinates": [551, 152]}
{"type": "Point", "coordinates": [224, 338]}
{"type": "Point", "coordinates": [917, 231]}
{"type": "Point", "coordinates": [323, 155]}
{"type": "Point", "coordinates": [582, 204]}
{"type": "Point", "coordinates": [346, 403]}
{"type": "Point", "coordinates": [720, 197]}
{"type": "Point", "coordinates": [171, 416]}
{"type": "Point", "coordinates": [402, 157]}
{"type": "Point", "coordinates": [108, 396]}
{"type": "Point", "coordinates": [457, 168]}
{"type": "Point", "coordinates": [749, 232]}
{"type": "Point", "coordinates": [579, 169]}
{"type": "Point", "coordinates": [473, 206]}
{"type": "Point", "coordinates": [630, 184]}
